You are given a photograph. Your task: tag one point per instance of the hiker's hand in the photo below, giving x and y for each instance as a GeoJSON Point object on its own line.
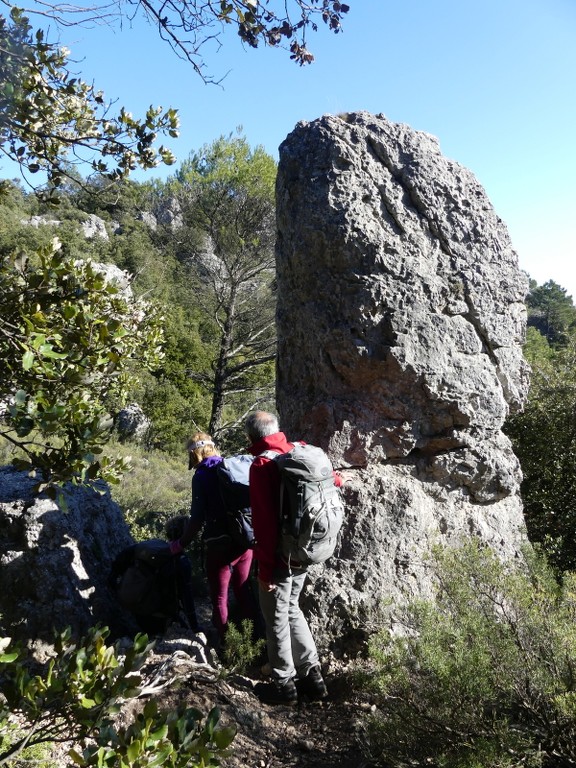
{"type": "Point", "coordinates": [266, 586]}
{"type": "Point", "coordinates": [176, 548]}
{"type": "Point", "coordinates": [345, 475]}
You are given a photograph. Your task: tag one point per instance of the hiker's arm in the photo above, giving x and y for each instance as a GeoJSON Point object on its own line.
{"type": "Point", "coordinates": [122, 561]}
{"type": "Point", "coordinates": [266, 586]}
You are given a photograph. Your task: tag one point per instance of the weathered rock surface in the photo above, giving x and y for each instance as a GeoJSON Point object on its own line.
{"type": "Point", "coordinates": [400, 320]}
{"type": "Point", "coordinates": [94, 227]}
{"type": "Point", "coordinates": [55, 559]}
{"type": "Point", "coordinates": [170, 214]}
{"type": "Point", "coordinates": [132, 423]}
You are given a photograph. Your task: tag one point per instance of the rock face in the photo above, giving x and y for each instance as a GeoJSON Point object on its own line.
{"type": "Point", "coordinates": [170, 214]}
{"type": "Point", "coordinates": [94, 227]}
{"type": "Point", "coordinates": [400, 320]}
{"type": "Point", "coordinates": [55, 560]}
{"type": "Point", "coordinates": [132, 423]}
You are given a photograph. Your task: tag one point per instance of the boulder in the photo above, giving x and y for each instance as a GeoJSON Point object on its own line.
{"type": "Point", "coordinates": [148, 219]}
{"type": "Point", "coordinates": [94, 227]}
{"type": "Point", "coordinates": [132, 423]}
{"type": "Point", "coordinates": [170, 214]}
{"type": "Point", "coordinates": [41, 221]}
{"type": "Point", "coordinates": [55, 558]}
{"type": "Point", "coordinates": [400, 322]}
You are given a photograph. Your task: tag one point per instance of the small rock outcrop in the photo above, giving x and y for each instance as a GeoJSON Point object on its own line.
{"type": "Point", "coordinates": [41, 221]}
{"type": "Point", "coordinates": [148, 218]}
{"type": "Point", "coordinates": [94, 227]}
{"type": "Point", "coordinates": [55, 558]}
{"type": "Point", "coordinates": [132, 423]}
{"type": "Point", "coordinates": [400, 321]}
{"type": "Point", "coordinates": [169, 214]}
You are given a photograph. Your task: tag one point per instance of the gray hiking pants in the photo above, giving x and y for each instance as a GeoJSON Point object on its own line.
{"type": "Point", "coordinates": [291, 647]}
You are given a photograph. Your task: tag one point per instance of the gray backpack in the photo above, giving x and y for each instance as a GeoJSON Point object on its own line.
{"type": "Point", "coordinates": [311, 508]}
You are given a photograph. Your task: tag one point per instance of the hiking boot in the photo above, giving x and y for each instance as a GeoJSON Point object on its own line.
{"type": "Point", "coordinates": [312, 686]}
{"type": "Point", "coordinates": [274, 693]}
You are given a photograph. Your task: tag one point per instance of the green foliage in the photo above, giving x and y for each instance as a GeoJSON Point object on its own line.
{"type": "Point", "coordinates": [228, 164]}
{"type": "Point", "coordinates": [76, 697]}
{"type": "Point", "coordinates": [484, 674]}
{"type": "Point", "coordinates": [240, 648]}
{"type": "Point", "coordinates": [179, 739]}
{"type": "Point", "coordinates": [226, 194]}
{"type": "Point", "coordinates": [50, 116]}
{"type": "Point", "coordinates": [68, 339]}
{"type": "Point", "coordinates": [551, 311]}
{"type": "Point", "coordinates": [217, 303]}
{"type": "Point", "coordinates": [173, 398]}
{"type": "Point", "coordinates": [544, 439]}
{"type": "Point", "coordinates": [155, 488]}
{"type": "Point", "coordinates": [39, 755]}
{"type": "Point", "coordinates": [537, 350]}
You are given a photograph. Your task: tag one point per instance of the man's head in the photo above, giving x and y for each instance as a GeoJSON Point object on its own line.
{"type": "Point", "coordinates": [260, 424]}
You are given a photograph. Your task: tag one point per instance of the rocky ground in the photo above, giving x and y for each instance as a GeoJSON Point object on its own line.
{"type": "Point", "coordinates": [312, 735]}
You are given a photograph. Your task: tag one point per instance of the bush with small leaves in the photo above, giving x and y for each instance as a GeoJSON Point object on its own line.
{"type": "Point", "coordinates": [484, 675]}
{"type": "Point", "coordinates": [75, 697]}
{"type": "Point", "coordinates": [69, 338]}
{"type": "Point", "coordinates": [240, 648]}
{"type": "Point", "coordinates": [51, 119]}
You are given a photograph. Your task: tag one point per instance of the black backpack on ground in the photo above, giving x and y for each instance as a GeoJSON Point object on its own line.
{"type": "Point", "coordinates": [148, 584]}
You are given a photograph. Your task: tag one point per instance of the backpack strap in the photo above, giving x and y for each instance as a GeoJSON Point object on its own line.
{"type": "Point", "coordinates": [271, 454]}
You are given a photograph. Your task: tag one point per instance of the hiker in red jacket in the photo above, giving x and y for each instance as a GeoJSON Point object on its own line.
{"type": "Point", "coordinates": [292, 651]}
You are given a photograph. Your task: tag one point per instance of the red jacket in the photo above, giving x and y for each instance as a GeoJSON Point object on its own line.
{"type": "Point", "coordinates": [265, 502]}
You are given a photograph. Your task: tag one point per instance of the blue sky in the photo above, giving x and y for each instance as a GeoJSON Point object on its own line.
{"type": "Point", "coordinates": [493, 80]}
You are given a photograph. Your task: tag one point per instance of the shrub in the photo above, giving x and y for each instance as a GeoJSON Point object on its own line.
{"type": "Point", "coordinates": [483, 676]}
{"type": "Point", "coordinates": [76, 697]}
{"type": "Point", "coordinates": [155, 488]}
{"type": "Point", "coordinates": [240, 649]}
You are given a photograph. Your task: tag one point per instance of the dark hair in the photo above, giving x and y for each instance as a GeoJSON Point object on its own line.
{"type": "Point", "coordinates": [260, 424]}
{"type": "Point", "coordinates": [176, 526]}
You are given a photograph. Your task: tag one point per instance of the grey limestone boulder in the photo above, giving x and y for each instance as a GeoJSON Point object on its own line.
{"type": "Point", "coordinates": [132, 423]}
{"type": "Point", "coordinates": [170, 214]}
{"type": "Point", "coordinates": [55, 558]}
{"type": "Point", "coordinates": [400, 321]}
{"type": "Point", "coordinates": [94, 227]}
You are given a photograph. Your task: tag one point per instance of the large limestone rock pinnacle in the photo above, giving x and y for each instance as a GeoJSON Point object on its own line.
{"type": "Point", "coordinates": [400, 320]}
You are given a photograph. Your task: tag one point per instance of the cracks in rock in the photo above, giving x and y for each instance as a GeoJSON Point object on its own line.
{"type": "Point", "coordinates": [472, 317]}
{"type": "Point", "coordinates": [379, 152]}
{"type": "Point", "coordinates": [391, 212]}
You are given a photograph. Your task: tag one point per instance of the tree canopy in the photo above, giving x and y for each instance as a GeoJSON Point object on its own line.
{"type": "Point", "coordinates": [226, 194]}
{"type": "Point", "coordinates": [69, 335]}
{"type": "Point", "coordinates": [50, 117]}
{"type": "Point", "coordinates": [544, 435]}
{"type": "Point", "coordinates": [544, 439]}
{"type": "Point", "coordinates": [551, 311]}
